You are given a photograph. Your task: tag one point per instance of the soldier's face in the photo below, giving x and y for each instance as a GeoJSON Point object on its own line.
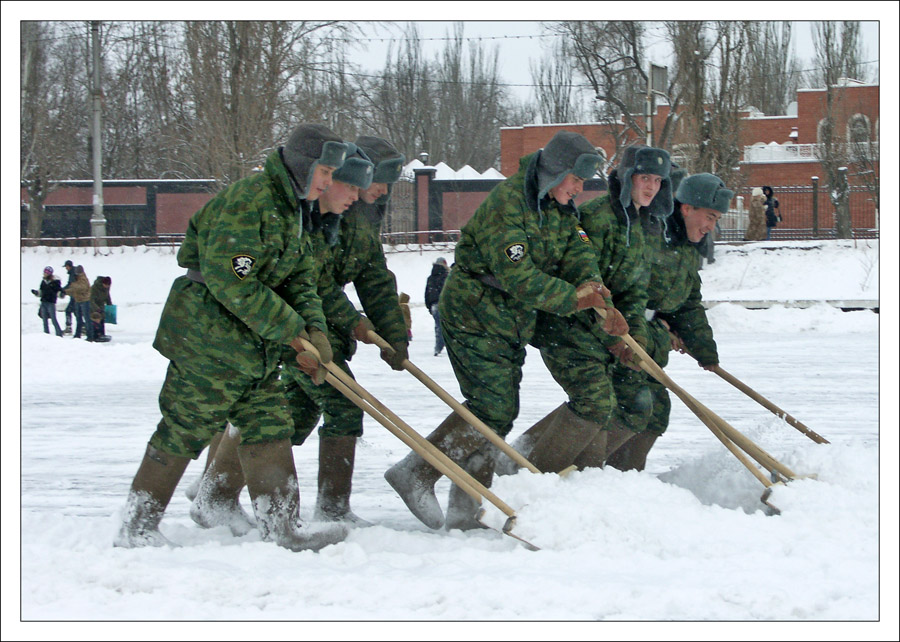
{"type": "Point", "coordinates": [321, 181]}
{"type": "Point", "coordinates": [375, 191]}
{"type": "Point", "coordinates": [698, 221]}
{"type": "Point", "coordinates": [570, 187]}
{"type": "Point", "coordinates": [339, 197]}
{"type": "Point", "coordinates": [644, 188]}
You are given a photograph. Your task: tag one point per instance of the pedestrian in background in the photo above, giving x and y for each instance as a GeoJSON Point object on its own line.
{"type": "Point", "coordinates": [80, 291]}
{"type": "Point", "coordinates": [773, 214]}
{"type": "Point", "coordinates": [433, 287]}
{"type": "Point", "coordinates": [99, 300]}
{"type": "Point", "coordinates": [70, 308]}
{"type": "Point", "coordinates": [49, 290]}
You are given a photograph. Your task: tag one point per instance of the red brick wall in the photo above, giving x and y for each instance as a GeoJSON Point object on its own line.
{"type": "Point", "coordinates": [85, 196]}
{"type": "Point", "coordinates": [173, 211]}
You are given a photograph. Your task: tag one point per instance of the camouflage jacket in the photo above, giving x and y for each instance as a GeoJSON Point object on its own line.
{"type": "Point", "coordinates": [516, 256]}
{"type": "Point", "coordinates": [348, 249]}
{"type": "Point", "coordinates": [618, 241]}
{"type": "Point", "coordinates": [259, 277]}
{"type": "Point", "coordinates": [674, 290]}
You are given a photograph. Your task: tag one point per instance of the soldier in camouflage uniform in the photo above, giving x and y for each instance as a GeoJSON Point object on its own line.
{"type": "Point", "coordinates": [522, 251]}
{"type": "Point", "coordinates": [355, 256]}
{"type": "Point", "coordinates": [347, 248]}
{"type": "Point", "coordinates": [248, 292]}
{"type": "Point", "coordinates": [675, 317]}
{"type": "Point", "coordinates": [575, 350]}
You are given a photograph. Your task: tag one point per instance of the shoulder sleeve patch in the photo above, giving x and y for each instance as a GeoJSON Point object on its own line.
{"type": "Point", "coordinates": [582, 234]}
{"type": "Point", "coordinates": [515, 252]}
{"type": "Point", "coordinates": [242, 264]}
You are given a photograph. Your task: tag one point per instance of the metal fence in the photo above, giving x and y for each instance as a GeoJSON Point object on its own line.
{"type": "Point", "coordinates": [805, 214]}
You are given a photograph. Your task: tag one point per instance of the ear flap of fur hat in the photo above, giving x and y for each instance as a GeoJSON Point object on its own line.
{"type": "Point", "coordinates": [357, 169]}
{"type": "Point", "coordinates": [706, 191]}
{"type": "Point", "coordinates": [388, 161]}
{"type": "Point", "coordinates": [566, 153]}
{"type": "Point", "coordinates": [641, 159]}
{"type": "Point", "coordinates": [309, 145]}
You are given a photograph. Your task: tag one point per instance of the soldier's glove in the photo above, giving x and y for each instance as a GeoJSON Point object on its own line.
{"type": "Point", "coordinates": [361, 330]}
{"type": "Point", "coordinates": [623, 352]}
{"type": "Point", "coordinates": [307, 359]}
{"type": "Point", "coordinates": [614, 323]}
{"type": "Point", "coordinates": [396, 356]}
{"type": "Point", "coordinates": [591, 294]}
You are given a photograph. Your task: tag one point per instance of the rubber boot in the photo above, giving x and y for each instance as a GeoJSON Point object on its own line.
{"type": "Point", "coordinates": [633, 455]}
{"type": "Point", "coordinates": [524, 445]}
{"type": "Point", "coordinates": [272, 482]}
{"type": "Point", "coordinates": [604, 444]}
{"type": "Point", "coordinates": [462, 510]}
{"type": "Point", "coordinates": [218, 499]}
{"type": "Point", "coordinates": [336, 458]}
{"type": "Point", "coordinates": [413, 478]}
{"type": "Point", "coordinates": [554, 442]}
{"type": "Point", "coordinates": [151, 491]}
{"type": "Point", "coordinates": [191, 491]}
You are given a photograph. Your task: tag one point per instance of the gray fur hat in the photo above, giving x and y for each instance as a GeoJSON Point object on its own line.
{"type": "Point", "coordinates": [705, 191]}
{"type": "Point", "coordinates": [641, 159]}
{"type": "Point", "coordinates": [566, 153]}
{"type": "Point", "coordinates": [309, 145]}
{"type": "Point", "coordinates": [388, 161]}
{"type": "Point", "coordinates": [357, 169]}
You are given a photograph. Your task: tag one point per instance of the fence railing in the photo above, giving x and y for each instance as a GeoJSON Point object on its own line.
{"type": "Point", "coordinates": [804, 152]}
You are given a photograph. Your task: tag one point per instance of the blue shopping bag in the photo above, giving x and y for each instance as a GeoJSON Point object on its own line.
{"type": "Point", "coordinates": [110, 312]}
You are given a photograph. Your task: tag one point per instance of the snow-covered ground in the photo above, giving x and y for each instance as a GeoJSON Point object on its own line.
{"type": "Point", "coordinates": [687, 540]}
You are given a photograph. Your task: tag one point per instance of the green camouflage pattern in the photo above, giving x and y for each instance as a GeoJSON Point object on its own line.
{"type": "Point", "coordinates": [259, 294]}
{"type": "Point", "coordinates": [537, 257]}
{"type": "Point", "coordinates": [674, 291]}
{"type": "Point", "coordinates": [195, 405]}
{"type": "Point", "coordinates": [356, 256]}
{"type": "Point", "coordinates": [574, 348]}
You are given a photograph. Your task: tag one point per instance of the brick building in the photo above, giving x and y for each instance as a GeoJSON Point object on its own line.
{"type": "Point", "coordinates": [779, 151]}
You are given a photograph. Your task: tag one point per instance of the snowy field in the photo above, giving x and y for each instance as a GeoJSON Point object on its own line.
{"type": "Point", "coordinates": [687, 540]}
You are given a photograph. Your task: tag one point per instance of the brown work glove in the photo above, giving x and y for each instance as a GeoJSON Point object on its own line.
{"type": "Point", "coordinates": [623, 352]}
{"type": "Point", "coordinates": [591, 294]}
{"type": "Point", "coordinates": [307, 359]}
{"type": "Point", "coordinates": [361, 330]}
{"type": "Point", "coordinates": [396, 356]}
{"type": "Point", "coordinates": [614, 323]}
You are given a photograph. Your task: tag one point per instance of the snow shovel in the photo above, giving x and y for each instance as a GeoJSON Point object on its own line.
{"type": "Point", "coordinates": [729, 436]}
{"type": "Point", "coordinates": [460, 409]}
{"type": "Point", "coordinates": [345, 384]}
{"type": "Point", "coordinates": [765, 403]}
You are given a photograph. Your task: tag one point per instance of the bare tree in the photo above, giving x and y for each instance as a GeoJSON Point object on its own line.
{"type": "Point", "coordinates": [610, 57]}
{"type": "Point", "coordinates": [53, 112]}
{"type": "Point", "coordinates": [772, 71]}
{"type": "Point", "coordinates": [835, 45]}
{"type": "Point", "coordinates": [557, 98]}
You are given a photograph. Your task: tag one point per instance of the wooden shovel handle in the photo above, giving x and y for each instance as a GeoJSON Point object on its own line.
{"type": "Point", "coordinates": [459, 408]}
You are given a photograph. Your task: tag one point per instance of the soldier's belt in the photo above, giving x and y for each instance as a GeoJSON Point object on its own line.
{"type": "Point", "coordinates": [488, 279]}
{"type": "Point", "coordinates": [196, 276]}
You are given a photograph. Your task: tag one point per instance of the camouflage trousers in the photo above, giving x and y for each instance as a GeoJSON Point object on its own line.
{"type": "Point", "coordinates": [642, 402]}
{"type": "Point", "coordinates": [307, 402]}
{"type": "Point", "coordinates": [580, 365]}
{"type": "Point", "coordinates": [196, 405]}
{"type": "Point", "coordinates": [488, 369]}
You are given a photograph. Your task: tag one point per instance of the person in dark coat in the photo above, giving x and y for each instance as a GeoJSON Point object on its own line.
{"type": "Point", "coordinates": [50, 289]}
{"type": "Point", "coordinates": [773, 214]}
{"type": "Point", "coordinates": [99, 300]}
{"type": "Point", "coordinates": [433, 287]}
